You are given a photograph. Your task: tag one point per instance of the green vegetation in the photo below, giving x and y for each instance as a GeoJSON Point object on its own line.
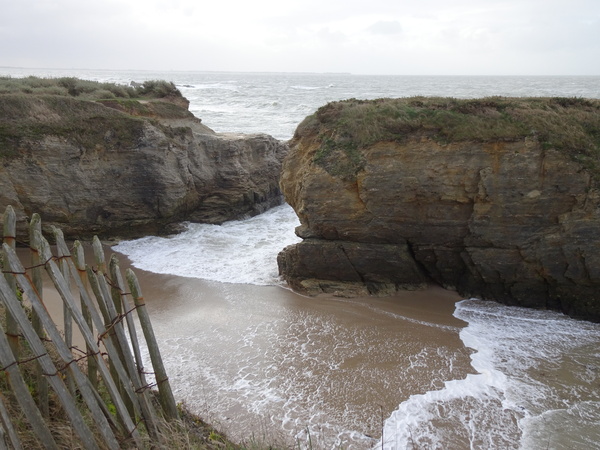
{"type": "Point", "coordinates": [24, 120]}
{"type": "Point", "coordinates": [86, 89]}
{"type": "Point", "coordinates": [343, 129]}
{"type": "Point", "coordinates": [134, 107]}
{"type": "Point", "coordinates": [87, 113]}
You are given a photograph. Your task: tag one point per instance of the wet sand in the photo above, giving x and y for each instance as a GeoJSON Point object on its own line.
{"type": "Point", "coordinates": [265, 361]}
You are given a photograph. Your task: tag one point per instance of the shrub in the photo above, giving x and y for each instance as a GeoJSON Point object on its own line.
{"type": "Point", "coordinates": [158, 89]}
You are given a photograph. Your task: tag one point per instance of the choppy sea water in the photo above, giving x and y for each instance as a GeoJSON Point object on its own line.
{"type": "Point", "coordinates": [240, 251]}
{"type": "Point", "coordinates": [524, 379]}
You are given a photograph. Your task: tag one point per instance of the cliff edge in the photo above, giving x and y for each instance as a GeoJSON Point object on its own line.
{"type": "Point", "coordinates": [496, 198]}
{"type": "Point", "coordinates": [129, 164]}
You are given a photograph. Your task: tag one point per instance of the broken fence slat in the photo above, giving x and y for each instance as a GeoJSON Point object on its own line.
{"type": "Point", "coordinates": [10, 232]}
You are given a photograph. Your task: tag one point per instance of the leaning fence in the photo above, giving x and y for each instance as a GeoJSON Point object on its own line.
{"type": "Point", "coordinates": [102, 388]}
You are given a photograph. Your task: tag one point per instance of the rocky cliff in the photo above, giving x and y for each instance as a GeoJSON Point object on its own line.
{"type": "Point", "coordinates": [495, 198]}
{"type": "Point", "coordinates": [128, 167]}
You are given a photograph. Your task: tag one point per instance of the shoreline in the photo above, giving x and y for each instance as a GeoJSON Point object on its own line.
{"type": "Point", "coordinates": [251, 344]}
{"type": "Point", "coordinates": [246, 358]}
{"type": "Point", "coordinates": [238, 355]}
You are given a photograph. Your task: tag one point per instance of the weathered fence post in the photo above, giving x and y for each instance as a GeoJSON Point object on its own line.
{"type": "Point", "coordinates": [101, 267]}
{"type": "Point", "coordinates": [99, 254]}
{"type": "Point", "coordinates": [70, 366]}
{"type": "Point", "coordinates": [67, 316]}
{"type": "Point", "coordinates": [162, 380]}
{"type": "Point", "coordinates": [79, 259]}
{"type": "Point", "coordinates": [35, 230]}
{"type": "Point", "coordinates": [10, 235]}
{"type": "Point", "coordinates": [8, 426]}
{"type": "Point", "coordinates": [115, 273]}
{"type": "Point", "coordinates": [64, 269]}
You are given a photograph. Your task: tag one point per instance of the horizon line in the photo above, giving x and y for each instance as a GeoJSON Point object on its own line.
{"type": "Point", "coordinates": [293, 72]}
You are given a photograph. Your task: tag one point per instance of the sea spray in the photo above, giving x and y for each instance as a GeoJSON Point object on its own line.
{"type": "Point", "coordinates": [235, 252]}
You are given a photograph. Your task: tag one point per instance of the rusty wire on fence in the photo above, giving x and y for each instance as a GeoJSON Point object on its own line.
{"type": "Point", "coordinates": [111, 369]}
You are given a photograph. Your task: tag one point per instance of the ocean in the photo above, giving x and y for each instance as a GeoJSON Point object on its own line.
{"type": "Point", "coordinates": [423, 370]}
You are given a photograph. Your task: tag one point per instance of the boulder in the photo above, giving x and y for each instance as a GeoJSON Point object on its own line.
{"type": "Point", "coordinates": [495, 198]}
{"type": "Point", "coordinates": [126, 168]}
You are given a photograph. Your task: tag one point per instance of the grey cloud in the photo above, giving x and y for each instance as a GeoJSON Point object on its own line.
{"type": "Point", "coordinates": [335, 37]}
{"type": "Point", "coordinates": [385, 27]}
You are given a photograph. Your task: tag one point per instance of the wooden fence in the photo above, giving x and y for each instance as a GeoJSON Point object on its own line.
{"type": "Point", "coordinates": [102, 389]}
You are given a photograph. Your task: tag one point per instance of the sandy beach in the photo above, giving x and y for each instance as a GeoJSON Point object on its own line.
{"type": "Point", "coordinates": [263, 360]}
{"type": "Point", "coordinates": [257, 358]}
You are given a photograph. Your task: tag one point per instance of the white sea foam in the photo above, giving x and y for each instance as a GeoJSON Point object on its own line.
{"type": "Point", "coordinates": [300, 371]}
{"type": "Point", "coordinates": [234, 252]}
{"type": "Point", "coordinates": [510, 402]}
{"type": "Point", "coordinates": [224, 85]}
{"type": "Point", "coordinates": [306, 88]}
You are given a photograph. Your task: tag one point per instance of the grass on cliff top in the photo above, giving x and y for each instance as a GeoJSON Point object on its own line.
{"type": "Point", "coordinates": [25, 120]}
{"type": "Point", "coordinates": [87, 89]}
{"type": "Point", "coordinates": [344, 128]}
{"type": "Point", "coordinates": [133, 107]}
{"type": "Point", "coordinates": [88, 113]}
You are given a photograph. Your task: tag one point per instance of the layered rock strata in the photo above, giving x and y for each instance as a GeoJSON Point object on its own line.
{"type": "Point", "coordinates": [129, 168]}
{"type": "Point", "coordinates": [512, 218]}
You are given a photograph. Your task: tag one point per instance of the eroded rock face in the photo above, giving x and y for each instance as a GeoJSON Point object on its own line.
{"type": "Point", "coordinates": [508, 221]}
{"type": "Point", "coordinates": [116, 175]}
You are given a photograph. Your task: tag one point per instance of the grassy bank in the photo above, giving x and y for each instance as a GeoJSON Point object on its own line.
{"type": "Point", "coordinates": [86, 89]}
{"type": "Point", "coordinates": [570, 125]}
{"type": "Point", "coordinates": [87, 113]}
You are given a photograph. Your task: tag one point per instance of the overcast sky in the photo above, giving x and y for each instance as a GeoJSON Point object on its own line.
{"type": "Point", "coordinates": [403, 37]}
